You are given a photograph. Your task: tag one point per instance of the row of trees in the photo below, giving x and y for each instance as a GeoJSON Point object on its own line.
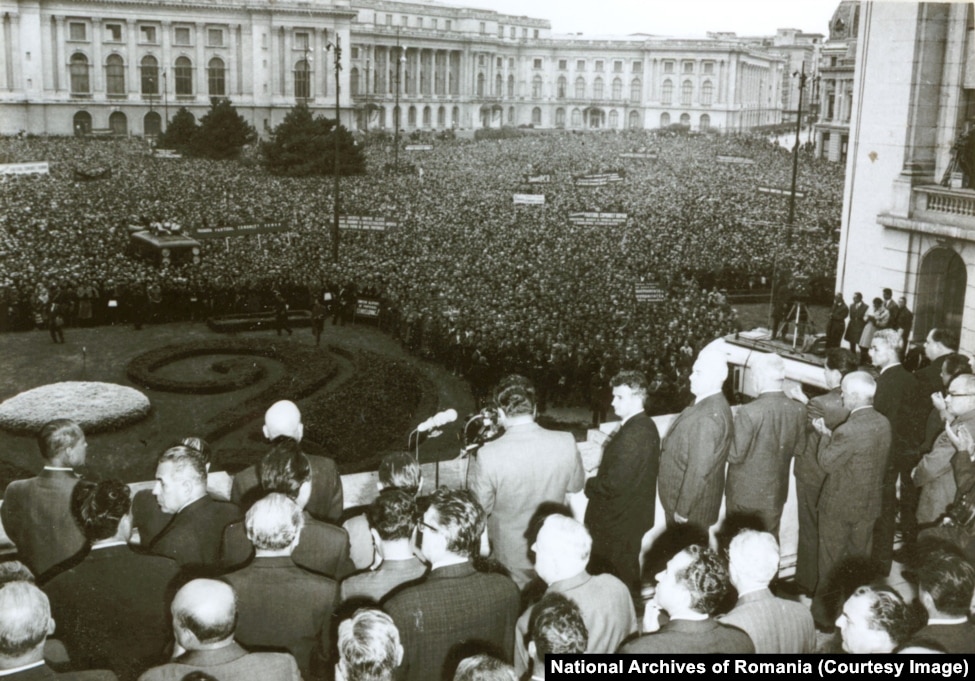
{"type": "Point", "coordinates": [301, 145]}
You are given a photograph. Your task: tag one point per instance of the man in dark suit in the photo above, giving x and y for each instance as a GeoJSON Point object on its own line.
{"type": "Point", "coordinates": [940, 343]}
{"type": "Point", "coordinates": [323, 548]}
{"type": "Point", "coordinates": [855, 460]}
{"type": "Point", "coordinates": [901, 399]}
{"type": "Point", "coordinates": [690, 590]}
{"type": "Point", "coordinates": [25, 624]}
{"type": "Point", "coordinates": [36, 513]}
{"type": "Point", "coordinates": [112, 607]}
{"type": "Point", "coordinates": [455, 603]}
{"type": "Point", "coordinates": [775, 625]}
{"type": "Point", "coordinates": [280, 605]}
{"type": "Point", "coordinates": [695, 450]}
{"type": "Point", "coordinates": [513, 475]}
{"type": "Point", "coordinates": [193, 537]}
{"type": "Point", "coordinates": [623, 493]}
{"type": "Point", "coordinates": [809, 475]}
{"type": "Point", "coordinates": [204, 616]}
{"type": "Point", "coordinates": [769, 431]}
{"type": "Point", "coordinates": [945, 582]}
{"type": "Point", "coordinates": [837, 321]}
{"type": "Point", "coordinates": [283, 419]}
{"type": "Point", "coordinates": [891, 306]}
{"type": "Point", "coordinates": [905, 320]}
{"type": "Point", "coordinates": [855, 328]}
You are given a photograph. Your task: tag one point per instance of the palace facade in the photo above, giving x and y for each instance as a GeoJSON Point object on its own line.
{"type": "Point", "coordinates": [126, 66]}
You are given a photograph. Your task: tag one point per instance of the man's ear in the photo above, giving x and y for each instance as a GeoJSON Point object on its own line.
{"type": "Point", "coordinates": [264, 430]}
{"type": "Point", "coordinates": [399, 654]}
{"type": "Point", "coordinates": [50, 626]}
{"type": "Point", "coordinates": [532, 650]}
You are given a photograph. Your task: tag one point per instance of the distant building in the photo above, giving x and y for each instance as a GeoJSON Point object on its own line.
{"type": "Point", "coordinates": [124, 67]}
{"type": "Point", "coordinates": [835, 87]}
{"type": "Point", "coordinates": [909, 210]}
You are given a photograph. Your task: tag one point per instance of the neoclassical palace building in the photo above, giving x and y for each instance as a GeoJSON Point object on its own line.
{"type": "Point", "coordinates": [126, 66]}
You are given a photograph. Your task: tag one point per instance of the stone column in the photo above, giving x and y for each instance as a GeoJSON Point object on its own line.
{"type": "Point", "coordinates": [132, 81]}
{"type": "Point", "coordinates": [233, 68]}
{"type": "Point", "coordinates": [58, 58]}
{"type": "Point", "coordinates": [201, 71]}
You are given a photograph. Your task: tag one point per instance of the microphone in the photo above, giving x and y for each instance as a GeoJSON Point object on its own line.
{"type": "Point", "coordinates": [437, 420]}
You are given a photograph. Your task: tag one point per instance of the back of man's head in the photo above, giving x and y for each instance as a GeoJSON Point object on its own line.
{"type": "Point", "coordinates": [57, 438]}
{"type": "Point", "coordinates": [753, 560]}
{"type": "Point", "coordinates": [25, 622]}
{"type": "Point", "coordinates": [484, 667]}
{"type": "Point", "coordinates": [712, 368]}
{"type": "Point", "coordinates": [769, 370]}
{"type": "Point", "coordinates": [841, 360]}
{"type": "Point", "coordinates": [400, 470]}
{"type": "Point", "coordinates": [369, 647]}
{"type": "Point", "coordinates": [393, 515]}
{"type": "Point", "coordinates": [515, 395]}
{"type": "Point", "coordinates": [557, 627]}
{"type": "Point", "coordinates": [461, 519]}
{"type": "Point", "coordinates": [274, 523]}
{"type": "Point", "coordinates": [893, 340]}
{"type": "Point", "coordinates": [562, 548]}
{"type": "Point", "coordinates": [946, 337]}
{"type": "Point", "coordinates": [283, 418]}
{"type": "Point", "coordinates": [284, 469]}
{"type": "Point", "coordinates": [859, 389]}
{"type": "Point", "coordinates": [706, 579]}
{"type": "Point", "coordinates": [948, 580]}
{"type": "Point", "coordinates": [204, 614]}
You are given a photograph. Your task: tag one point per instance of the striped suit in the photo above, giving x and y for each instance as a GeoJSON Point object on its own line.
{"type": "Point", "coordinates": [774, 625]}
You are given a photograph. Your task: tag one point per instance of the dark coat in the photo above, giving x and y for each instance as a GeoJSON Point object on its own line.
{"type": "Point", "coordinates": [855, 328]}
{"type": "Point", "coordinates": [326, 502]}
{"type": "Point", "coordinates": [193, 537]}
{"type": "Point", "coordinates": [855, 461]}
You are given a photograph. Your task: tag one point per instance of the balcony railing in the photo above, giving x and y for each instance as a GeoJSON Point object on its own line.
{"type": "Point", "coordinates": [933, 203]}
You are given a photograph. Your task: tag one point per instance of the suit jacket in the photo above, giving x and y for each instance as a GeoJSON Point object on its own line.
{"type": "Point", "coordinates": [45, 673]}
{"type": "Point", "coordinates": [192, 538]}
{"type": "Point", "coordinates": [930, 376]}
{"type": "Point", "coordinates": [774, 625]}
{"type": "Point", "coordinates": [279, 605]}
{"type": "Point", "coordinates": [903, 401]}
{"type": "Point", "coordinates": [692, 637]}
{"type": "Point", "coordinates": [855, 328]}
{"type": "Point", "coordinates": [623, 493]}
{"type": "Point", "coordinates": [230, 662]}
{"type": "Point", "coordinates": [935, 476]}
{"type": "Point", "coordinates": [512, 475]}
{"type": "Point", "coordinates": [112, 609]}
{"type": "Point", "coordinates": [36, 514]}
{"type": "Point", "coordinates": [957, 639]}
{"type": "Point", "coordinates": [828, 407]}
{"type": "Point", "coordinates": [606, 607]}
{"type": "Point", "coordinates": [692, 461]}
{"type": "Point", "coordinates": [379, 583]}
{"type": "Point", "coordinates": [855, 460]}
{"type": "Point", "coordinates": [769, 431]}
{"type": "Point", "coordinates": [326, 502]}
{"type": "Point", "coordinates": [322, 548]}
{"type": "Point", "coordinates": [455, 604]}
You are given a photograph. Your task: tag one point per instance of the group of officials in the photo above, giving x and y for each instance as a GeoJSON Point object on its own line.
{"type": "Point", "coordinates": [480, 583]}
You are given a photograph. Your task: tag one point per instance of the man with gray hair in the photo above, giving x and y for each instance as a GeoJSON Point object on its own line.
{"type": "Point", "coordinates": [369, 647]}
{"type": "Point", "coordinates": [901, 399]}
{"type": "Point", "coordinates": [855, 460]}
{"type": "Point", "coordinates": [25, 624]}
{"type": "Point", "coordinates": [204, 617]}
{"type": "Point", "coordinates": [561, 554]}
{"type": "Point", "coordinates": [769, 431]}
{"type": "Point", "coordinates": [280, 604]}
{"type": "Point", "coordinates": [775, 625]}
{"type": "Point", "coordinates": [695, 449]}
{"type": "Point", "coordinates": [36, 513]}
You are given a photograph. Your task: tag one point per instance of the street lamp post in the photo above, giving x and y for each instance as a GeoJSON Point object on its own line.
{"type": "Point", "coordinates": [165, 101]}
{"type": "Point", "coordinates": [396, 111]}
{"type": "Point", "coordinates": [336, 48]}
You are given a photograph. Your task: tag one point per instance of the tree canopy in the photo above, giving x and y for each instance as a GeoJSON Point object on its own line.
{"type": "Point", "coordinates": [304, 144]}
{"type": "Point", "coordinates": [222, 132]}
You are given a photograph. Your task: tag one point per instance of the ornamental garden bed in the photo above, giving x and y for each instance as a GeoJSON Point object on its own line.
{"type": "Point", "coordinates": [96, 407]}
{"type": "Point", "coordinates": [257, 321]}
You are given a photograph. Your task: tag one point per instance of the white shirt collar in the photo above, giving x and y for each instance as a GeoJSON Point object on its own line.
{"type": "Point", "coordinates": [58, 468]}
{"type": "Point", "coordinates": [947, 620]}
{"type": "Point", "coordinates": [457, 560]}
{"type": "Point", "coordinates": [15, 670]}
{"type": "Point", "coordinates": [890, 366]}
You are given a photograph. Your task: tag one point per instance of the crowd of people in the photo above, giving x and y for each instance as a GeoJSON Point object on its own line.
{"type": "Point", "coordinates": [466, 276]}
{"type": "Point", "coordinates": [277, 580]}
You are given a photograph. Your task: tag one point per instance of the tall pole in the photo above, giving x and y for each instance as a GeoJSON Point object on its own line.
{"type": "Point", "coordinates": [165, 100]}
{"type": "Point", "coordinates": [399, 61]}
{"type": "Point", "coordinates": [335, 165]}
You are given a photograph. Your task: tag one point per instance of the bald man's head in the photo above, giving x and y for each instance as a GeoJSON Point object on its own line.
{"type": "Point", "coordinates": [858, 388]}
{"type": "Point", "coordinates": [204, 614]}
{"type": "Point", "coordinates": [283, 418]}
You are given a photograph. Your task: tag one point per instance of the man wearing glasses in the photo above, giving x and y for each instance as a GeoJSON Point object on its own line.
{"type": "Point", "coordinates": [455, 603]}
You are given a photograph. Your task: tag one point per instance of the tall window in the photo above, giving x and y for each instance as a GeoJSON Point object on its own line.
{"type": "Point", "coordinates": [537, 87]}
{"type": "Point", "coordinates": [580, 87]}
{"type": "Point", "coordinates": [614, 119]}
{"type": "Point", "coordinates": [707, 91]}
{"type": "Point", "coordinates": [302, 80]}
{"type": "Point", "coordinates": [685, 119]}
{"type": "Point", "coordinates": [150, 75]}
{"type": "Point", "coordinates": [411, 117]}
{"type": "Point", "coordinates": [636, 90]}
{"type": "Point", "coordinates": [427, 117]}
{"type": "Point", "coordinates": [560, 118]}
{"type": "Point", "coordinates": [354, 81]}
{"type": "Point", "coordinates": [183, 71]}
{"type": "Point", "coordinates": [215, 78]}
{"type": "Point", "coordinates": [79, 74]}
{"type": "Point", "coordinates": [560, 88]}
{"type": "Point", "coordinates": [536, 116]}
{"type": "Point", "coordinates": [664, 119]}
{"type": "Point", "coordinates": [667, 92]}
{"type": "Point", "coordinates": [597, 89]}
{"type": "Point", "coordinates": [498, 85]}
{"type": "Point", "coordinates": [511, 86]}
{"type": "Point", "coordinates": [114, 75]}
{"type": "Point", "coordinates": [686, 92]}
{"type": "Point", "coordinates": [576, 118]}
{"type": "Point", "coordinates": [705, 122]}
{"type": "Point", "coordinates": [480, 85]}
{"type": "Point", "coordinates": [617, 89]}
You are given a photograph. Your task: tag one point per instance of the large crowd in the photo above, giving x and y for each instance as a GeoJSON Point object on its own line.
{"type": "Point", "coordinates": [467, 276]}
